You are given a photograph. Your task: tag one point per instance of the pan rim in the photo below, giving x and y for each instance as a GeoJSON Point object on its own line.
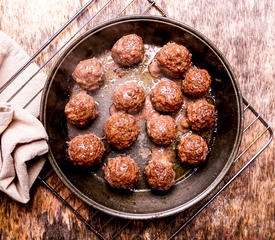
{"type": "Point", "coordinates": [236, 87]}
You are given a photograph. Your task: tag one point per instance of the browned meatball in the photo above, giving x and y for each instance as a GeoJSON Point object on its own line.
{"type": "Point", "coordinates": [121, 130]}
{"type": "Point", "coordinates": [89, 74]}
{"type": "Point", "coordinates": [162, 129]}
{"type": "Point", "coordinates": [166, 97]}
{"type": "Point", "coordinates": [201, 115]}
{"type": "Point", "coordinates": [174, 60]}
{"type": "Point", "coordinates": [128, 50]}
{"type": "Point", "coordinates": [86, 150]}
{"type": "Point", "coordinates": [160, 174]}
{"type": "Point", "coordinates": [196, 82]}
{"type": "Point", "coordinates": [81, 109]}
{"type": "Point", "coordinates": [129, 97]}
{"type": "Point", "coordinates": [121, 172]}
{"type": "Point", "coordinates": [192, 149]}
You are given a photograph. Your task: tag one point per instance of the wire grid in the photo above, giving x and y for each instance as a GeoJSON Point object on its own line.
{"type": "Point", "coordinates": [116, 226]}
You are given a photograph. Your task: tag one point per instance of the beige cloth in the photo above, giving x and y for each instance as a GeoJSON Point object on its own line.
{"type": "Point", "coordinates": [22, 136]}
{"type": "Point", "coordinates": [12, 57]}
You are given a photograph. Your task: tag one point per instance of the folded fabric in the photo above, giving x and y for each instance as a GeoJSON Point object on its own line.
{"type": "Point", "coordinates": [22, 136]}
{"type": "Point", "coordinates": [12, 57]}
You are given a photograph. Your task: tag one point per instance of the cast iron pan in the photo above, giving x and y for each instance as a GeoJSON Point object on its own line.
{"type": "Point", "coordinates": [88, 184]}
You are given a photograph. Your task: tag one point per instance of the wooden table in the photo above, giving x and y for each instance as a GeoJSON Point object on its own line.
{"type": "Point", "coordinates": [244, 32]}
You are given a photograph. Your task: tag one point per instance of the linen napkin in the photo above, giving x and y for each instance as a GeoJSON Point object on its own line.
{"type": "Point", "coordinates": [22, 136]}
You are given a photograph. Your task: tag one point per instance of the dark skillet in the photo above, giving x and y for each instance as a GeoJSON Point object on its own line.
{"type": "Point", "coordinates": [89, 186]}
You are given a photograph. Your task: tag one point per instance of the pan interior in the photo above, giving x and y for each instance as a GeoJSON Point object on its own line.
{"type": "Point", "coordinates": [89, 184]}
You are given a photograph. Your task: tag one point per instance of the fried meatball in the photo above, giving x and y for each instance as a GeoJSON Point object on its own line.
{"type": "Point", "coordinates": [201, 115]}
{"type": "Point", "coordinates": [162, 129]}
{"type": "Point", "coordinates": [81, 109]}
{"type": "Point", "coordinates": [86, 150]}
{"type": "Point", "coordinates": [166, 97]}
{"type": "Point", "coordinates": [89, 74]}
{"type": "Point", "coordinates": [196, 82]}
{"type": "Point", "coordinates": [174, 60]}
{"type": "Point", "coordinates": [122, 172]}
{"type": "Point", "coordinates": [192, 149]}
{"type": "Point", "coordinates": [129, 97]}
{"type": "Point", "coordinates": [128, 50]}
{"type": "Point", "coordinates": [121, 130]}
{"type": "Point", "coordinates": [160, 174]}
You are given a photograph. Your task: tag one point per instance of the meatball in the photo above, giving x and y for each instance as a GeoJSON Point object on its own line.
{"type": "Point", "coordinates": [89, 74]}
{"type": "Point", "coordinates": [192, 149]}
{"type": "Point", "coordinates": [122, 172]}
{"type": "Point", "coordinates": [201, 115]}
{"type": "Point", "coordinates": [128, 50]}
{"type": "Point", "coordinates": [121, 130]}
{"type": "Point", "coordinates": [196, 82]}
{"type": "Point", "coordinates": [86, 150]}
{"type": "Point", "coordinates": [174, 60]}
{"type": "Point", "coordinates": [81, 109]}
{"type": "Point", "coordinates": [166, 97]}
{"type": "Point", "coordinates": [162, 129]}
{"type": "Point", "coordinates": [160, 174]}
{"type": "Point", "coordinates": [129, 97]}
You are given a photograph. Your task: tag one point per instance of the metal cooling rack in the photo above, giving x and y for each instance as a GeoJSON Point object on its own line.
{"type": "Point", "coordinates": [99, 222]}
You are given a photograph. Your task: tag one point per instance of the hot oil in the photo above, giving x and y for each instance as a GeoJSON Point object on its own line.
{"type": "Point", "coordinates": [141, 150]}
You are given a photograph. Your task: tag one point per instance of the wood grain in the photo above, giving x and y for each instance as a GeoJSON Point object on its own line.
{"type": "Point", "coordinates": [244, 32]}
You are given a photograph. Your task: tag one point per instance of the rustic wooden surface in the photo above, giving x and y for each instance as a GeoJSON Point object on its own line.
{"type": "Point", "coordinates": [244, 31]}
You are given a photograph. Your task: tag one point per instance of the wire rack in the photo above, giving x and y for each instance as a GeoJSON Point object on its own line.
{"type": "Point", "coordinates": [249, 151]}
